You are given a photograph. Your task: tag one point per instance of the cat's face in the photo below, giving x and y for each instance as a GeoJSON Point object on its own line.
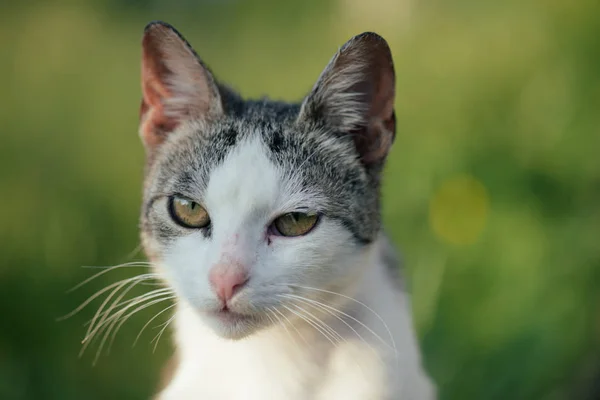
{"type": "Point", "coordinates": [245, 202]}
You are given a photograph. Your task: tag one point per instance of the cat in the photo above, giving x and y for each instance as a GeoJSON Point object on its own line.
{"type": "Point", "coordinates": [264, 220]}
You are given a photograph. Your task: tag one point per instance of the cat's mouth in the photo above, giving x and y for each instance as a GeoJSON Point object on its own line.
{"type": "Point", "coordinates": [226, 315]}
{"type": "Point", "coordinates": [231, 324]}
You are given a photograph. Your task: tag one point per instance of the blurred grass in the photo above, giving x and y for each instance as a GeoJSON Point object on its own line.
{"type": "Point", "coordinates": [492, 189]}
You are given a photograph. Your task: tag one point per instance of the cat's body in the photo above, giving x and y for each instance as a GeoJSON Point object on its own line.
{"type": "Point", "coordinates": [264, 220]}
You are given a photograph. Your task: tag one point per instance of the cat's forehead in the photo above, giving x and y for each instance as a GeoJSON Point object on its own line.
{"type": "Point", "coordinates": [197, 151]}
{"type": "Point", "coordinates": [246, 180]}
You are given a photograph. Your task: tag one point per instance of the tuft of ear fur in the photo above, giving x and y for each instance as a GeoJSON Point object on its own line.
{"type": "Point", "coordinates": [176, 85]}
{"type": "Point", "coordinates": [355, 95]}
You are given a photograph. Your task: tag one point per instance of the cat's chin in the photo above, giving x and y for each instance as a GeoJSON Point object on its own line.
{"type": "Point", "coordinates": [231, 325]}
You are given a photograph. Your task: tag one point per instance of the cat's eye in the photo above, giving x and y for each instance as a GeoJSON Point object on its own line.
{"type": "Point", "coordinates": [295, 224]}
{"type": "Point", "coordinates": [188, 213]}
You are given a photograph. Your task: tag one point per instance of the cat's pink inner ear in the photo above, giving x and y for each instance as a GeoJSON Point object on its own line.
{"type": "Point", "coordinates": [355, 95]}
{"type": "Point", "coordinates": [380, 129]}
{"type": "Point", "coordinates": [154, 123]}
{"type": "Point", "coordinates": [176, 86]}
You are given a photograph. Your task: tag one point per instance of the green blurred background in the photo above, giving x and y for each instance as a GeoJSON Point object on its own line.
{"type": "Point", "coordinates": [492, 189]}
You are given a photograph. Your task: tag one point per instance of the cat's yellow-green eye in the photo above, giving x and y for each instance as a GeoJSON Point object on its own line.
{"type": "Point", "coordinates": [295, 224]}
{"type": "Point", "coordinates": [188, 213]}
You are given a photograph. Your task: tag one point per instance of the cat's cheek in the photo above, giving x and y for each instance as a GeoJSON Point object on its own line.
{"type": "Point", "coordinates": [186, 268]}
{"type": "Point", "coordinates": [315, 259]}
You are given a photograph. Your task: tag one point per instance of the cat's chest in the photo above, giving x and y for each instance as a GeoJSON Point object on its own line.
{"type": "Point", "coordinates": [350, 371]}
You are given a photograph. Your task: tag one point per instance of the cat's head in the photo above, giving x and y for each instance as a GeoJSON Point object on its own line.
{"type": "Point", "coordinates": [246, 202]}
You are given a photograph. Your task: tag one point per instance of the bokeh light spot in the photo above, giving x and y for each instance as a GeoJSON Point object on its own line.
{"type": "Point", "coordinates": [458, 210]}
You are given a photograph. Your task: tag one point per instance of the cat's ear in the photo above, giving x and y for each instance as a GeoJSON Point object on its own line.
{"type": "Point", "coordinates": [355, 95]}
{"type": "Point", "coordinates": [176, 86]}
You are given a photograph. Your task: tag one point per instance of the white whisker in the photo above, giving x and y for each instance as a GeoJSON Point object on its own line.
{"type": "Point", "coordinates": [117, 301]}
{"type": "Point", "coordinates": [157, 337]}
{"type": "Point", "coordinates": [358, 302]}
{"type": "Point", "coordinates": [133, 264]}
{"type": "Point", "coordinates": [135, 251]}
{"type": "Point", "coordinates": [138, 300]}
{"type": "Point", "coordinates": [327, 307]}
{"type": "Point", "coordinates": [317, 326]}
{"type": "Point", "coordinates": [273, 321]}
{"type": "Point", "coordinates": [92, 298]}
{"type": "Point", "coordinates": [94, 329]}
{"type": "Point", "coordinates": [111, 322]}
{"type": "Point", "coordinates": [124, 303]}
{"type": "Point", "coordinates": [150, 321]}
{"type": "Point", "coordinates": [284, 327]}
{"type": "Point", "coordinates": [292, 325]}
{"type": "Point", "coordinates": [121, 320]}
{"type": "Point", "coordinates": [124, 283]}
{"type": "Point", "coordinates": [324, 307]}
{"type": "Point", "coordinates": [126, 317]}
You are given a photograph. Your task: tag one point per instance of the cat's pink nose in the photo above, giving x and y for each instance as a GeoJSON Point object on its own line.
{"type": "Point", "coordinates": [227, 280]}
